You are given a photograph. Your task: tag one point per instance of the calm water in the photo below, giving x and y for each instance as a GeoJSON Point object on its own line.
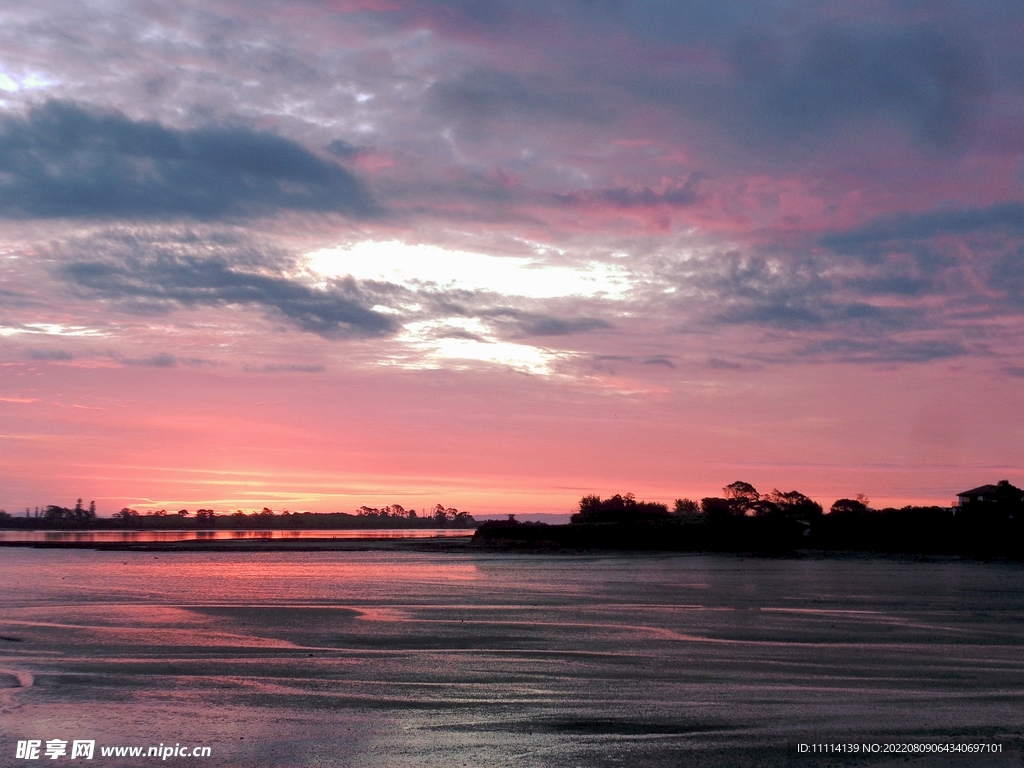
{"type": "Point", "coordinates": [147, 536]}
{"type": "Point", "coordinates": [449, 659]}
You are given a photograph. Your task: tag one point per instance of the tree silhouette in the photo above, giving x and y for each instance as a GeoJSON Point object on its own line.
{"type": "Point", "coordinates": [617, 509]}
{"type": "Point", "coordinates": [742, 492]}
{"type": "Point", "coordinates": [58, 515]}
{"type": "Point", "coordinates": [743, 497]}
{"type": "Point", "coordinates": [127, 516]}
{"type": "Point", "coordinates": [849, 507]}
{"type": "Point", "coordinates": [686, 508]}
{"type": "Point", "coordinates": [717, 508]}
{"type": "Point", "coordinates": [795, 504]}
{"type": "Point", "coordinates": [205, 516]}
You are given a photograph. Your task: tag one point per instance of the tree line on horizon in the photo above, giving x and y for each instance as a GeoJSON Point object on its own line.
{"type": "Point", "coordinates": [391, 516]}
{"type": "Point", "coordinates": [79, 515]}
{"type": "Point", "coordinates": [742, 519]}
{"type": "Point", "coordinates": [739, 499]}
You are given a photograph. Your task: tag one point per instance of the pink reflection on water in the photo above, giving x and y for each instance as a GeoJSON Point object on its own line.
{"type": "Point", "coordinates": [166, 536]}
{"type": "Point", "coordinates": [137, 581]}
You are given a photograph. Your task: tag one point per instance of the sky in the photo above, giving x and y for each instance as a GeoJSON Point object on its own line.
{"type": "Point", "coordinates": [497, 255]}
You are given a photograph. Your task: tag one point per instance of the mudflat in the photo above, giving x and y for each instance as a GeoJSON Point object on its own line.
{"type": "Point", "coordinates": [450, 657]}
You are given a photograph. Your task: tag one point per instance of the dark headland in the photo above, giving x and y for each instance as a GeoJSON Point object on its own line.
{"type": "Point", "coordinates": [989, 524]}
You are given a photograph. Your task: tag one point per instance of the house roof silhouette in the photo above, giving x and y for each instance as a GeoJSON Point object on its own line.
{"type": "Point", "coordinates": [981, 490]}
{"type": "Point", "coordinates": [1002, 491]}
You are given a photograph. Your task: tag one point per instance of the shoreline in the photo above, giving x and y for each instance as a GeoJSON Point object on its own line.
{"type": "Point", "coordinates": [466, 545]}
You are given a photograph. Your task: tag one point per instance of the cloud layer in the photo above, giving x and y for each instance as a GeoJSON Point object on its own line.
{"type": "Point", "coordinates": [576, 222]}
{"type": "Point", "coordinates": [63, 160]}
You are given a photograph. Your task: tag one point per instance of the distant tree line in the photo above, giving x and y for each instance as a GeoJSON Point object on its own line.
{"type": "Point", "coordinates": [617, 509]}
{"type": "Point", "coordinates": [739, 499]}
{"type": "Point", "coordinates": [392, 516]}
{"type": "Point", "coordinates": [53, 516]}
{"type": "Point", "coordinates": [439, 515]}
{"type": "Point", "coordinates": [744, 520]}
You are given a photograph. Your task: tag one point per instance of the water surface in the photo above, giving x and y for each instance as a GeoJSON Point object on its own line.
{"type": "Point", "coordinates": [89, 537]}
{"type": "Point", "coordinates": [384, 658]}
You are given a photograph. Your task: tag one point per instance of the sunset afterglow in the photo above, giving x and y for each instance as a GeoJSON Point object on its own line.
{"type": "Point", "coordinates": [315, 255]}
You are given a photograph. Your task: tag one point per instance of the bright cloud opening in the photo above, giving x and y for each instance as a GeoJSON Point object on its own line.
{"type": "Point", "coordinates": [435, 344]}
{"type": "Point", "coordinates": [420, 266]}
{"type": "Point", "coordinates": [12, 83]}
{"type": "Point", "coordinates": [50, 329]}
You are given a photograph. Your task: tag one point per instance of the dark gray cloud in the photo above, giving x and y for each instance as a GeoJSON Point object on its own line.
{"type": "Point", "coordinates": [540, 319]}
{"type": "Point", "coordinates": [606, 363]}
{"type": "Point", "coordinates": [154, 361]}
{"type": "Point", "coordinates": [166, 281]}
{"type": "Point", "coordinates": [724, 365]}
{"type": "Point", "coordinates": [931, 81]}
{"type": "Point", "coordinates": [659, 21]}
{"type": "Point", "coordinates": [625, 198]}
{"type": "Point", "coordinates": [661, 360]}
{"type": "Point", "coordinates": [812, 308]}
{"type": "Point", "coordinates": [678, 195]}
{"type": "Point", "coordinates": [816, 310]}
{"type": "Point", "coordinates": [48, 354]}
{"type": "Point", "coordinates": [517, 323]}
{"type": "Point", "coordinates": [609, 363]}
{"type": "Point", "coordinates": [457, 333]}
{"type": "Point", "coordinates": [795, 292]}
{"type": "Point", "coordinates": [161, 360]}
{"type": "Point", "coordinates": [1007, 275]}
{"type": "Point", "coordinates": [794, 73]}
{"type": "Point", "coordinates": [67, 160]}
{"type": "Point", "coordinates": [919, 226]}
{"type": "Point", "coordinates": [948, 252]}
{"type": "Point", "coordinates": [285, 368]}
{"type": "Point", "coordinates": [341, 148]}
{"type": "Point", "coordinates": [488, 94]}
{"type": "Point", "coordinates": [893, 281]}
{"type": "Point", "coordinates": [786, 95]}
{"type": "Point", "coordinates": [883, 350]}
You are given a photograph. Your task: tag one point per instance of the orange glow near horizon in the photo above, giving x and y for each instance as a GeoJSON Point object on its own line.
{"type": "Point", "coordinates": [426, 438]}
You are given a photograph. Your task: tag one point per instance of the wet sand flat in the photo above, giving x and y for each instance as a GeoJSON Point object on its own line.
{"type": "Point", "coordinates": [448, 658]}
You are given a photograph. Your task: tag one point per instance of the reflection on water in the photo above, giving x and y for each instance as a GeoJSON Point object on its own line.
{"type": "Point", "coordinates": [155, 536]}
{"type": "Point", "coordinates": [381, 658]}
